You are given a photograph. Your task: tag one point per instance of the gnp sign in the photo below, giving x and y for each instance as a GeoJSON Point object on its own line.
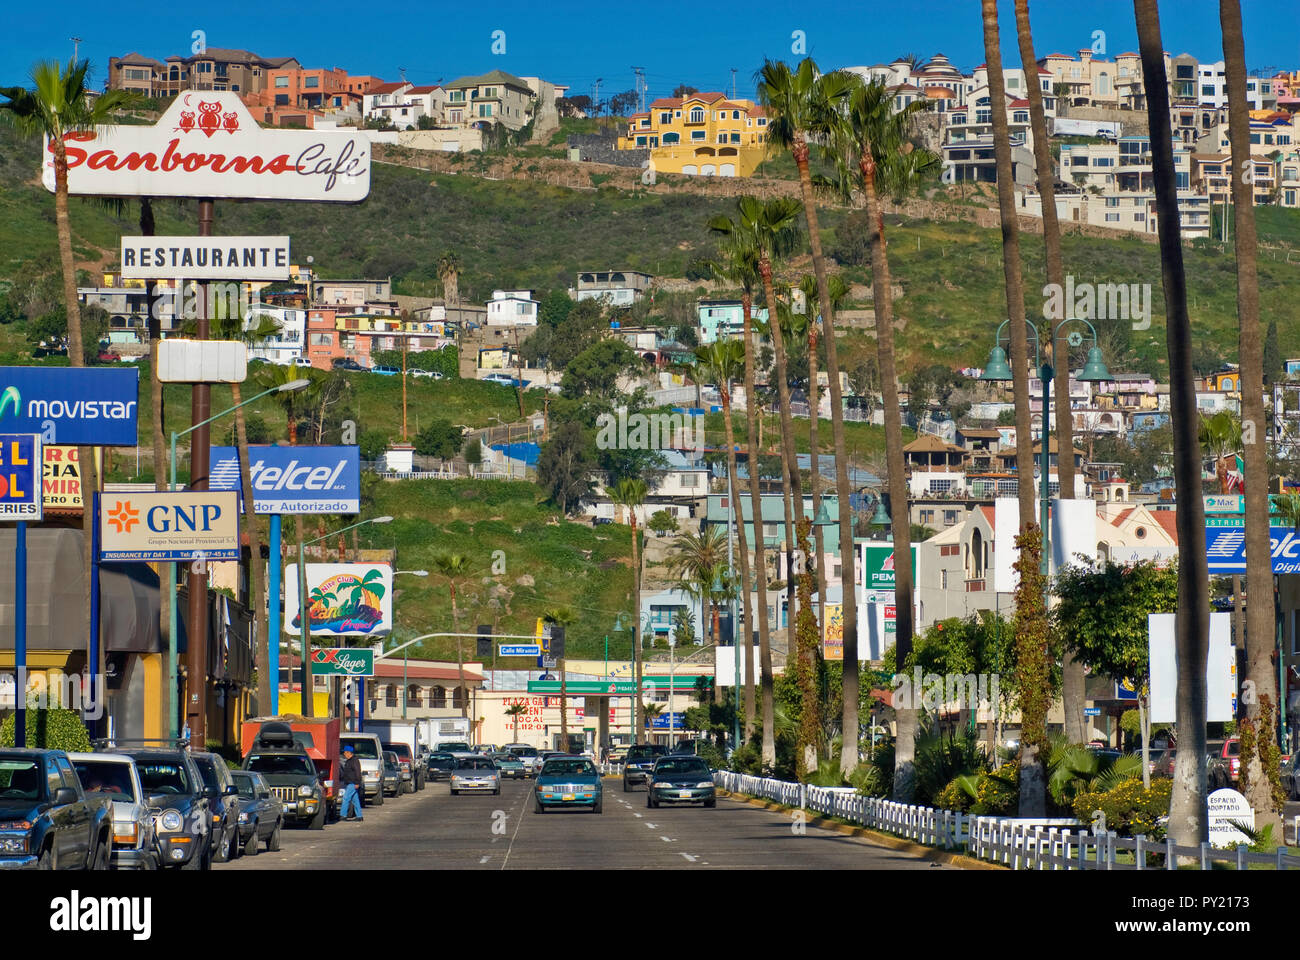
{"type": "Point", "coordinates": [168, 526]}
{"type": "Point", "coordinates": [207, 144]}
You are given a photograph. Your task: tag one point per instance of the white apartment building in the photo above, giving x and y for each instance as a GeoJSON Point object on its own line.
{"type": "Point", "coordinates": [284, 346]}
{"type": "Point", "coordinates": [512, 308]}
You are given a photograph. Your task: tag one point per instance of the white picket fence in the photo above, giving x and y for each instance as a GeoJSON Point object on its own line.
{"type": "Point", "coordinates": [1018, 843]}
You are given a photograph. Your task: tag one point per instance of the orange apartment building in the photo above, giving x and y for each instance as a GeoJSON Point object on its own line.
{"type": "Point", "coordinates": [294, 95]}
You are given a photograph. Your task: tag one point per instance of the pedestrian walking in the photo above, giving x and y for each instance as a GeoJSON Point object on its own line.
{"type": "Point", "coordinates": [351, 780]}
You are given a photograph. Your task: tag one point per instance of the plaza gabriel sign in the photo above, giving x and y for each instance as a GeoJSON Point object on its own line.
{"type": "Point", "coordinates": [342, 662]}
{"type": "Point", "coordinates": [168, 526]}
{"type": "Point", "coordinates": [95, 406]}
{"type": "Point", "coordinates": [205, 258]}
{"type": "Point", "coordinates": [207, 144]}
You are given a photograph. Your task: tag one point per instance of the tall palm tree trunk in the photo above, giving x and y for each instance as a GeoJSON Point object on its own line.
{"type": "Point", "coordinates": [637, 723]}
{"type": "Point", "coordinates": [460, 655]}
{"type": "Point", "coordinates": [896, 469]}
{"type": "Point", "coordinates": [1260, 618]}
{"type": "Point", "coordinates": [848, 578]}
{"type": "Point", "coordinates": [791, 485]}
{"type": "Point", "coordinates": [1188, 823]}
{"type": "Point", "coordinates": [745, 640]}
{"type": "Point", "coordinates": [1072, 678]}
{"type": "Point", "coordinates": [256, 595]}
{"type": "Point", "coordinates": [1033, 773]}
{"type": "Point", "coordinates": [768, 705]}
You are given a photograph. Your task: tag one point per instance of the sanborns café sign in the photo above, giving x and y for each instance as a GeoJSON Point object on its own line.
{"type": "Point", "coordinates": [207, 144]}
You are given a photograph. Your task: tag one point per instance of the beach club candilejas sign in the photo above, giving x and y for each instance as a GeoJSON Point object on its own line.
{"type": "Point", "coordinates": [207, 144]}
{"type": "Point", "coordinates": [343, 599]}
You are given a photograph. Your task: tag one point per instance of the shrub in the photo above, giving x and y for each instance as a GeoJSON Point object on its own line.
{"type": "Point", "coordinates": [53, 729]}
{"type": "Point", "coordinates": [374, 443]}
{"type": "Point", "coordinates": [875, 778]}
{"type": "Point", "coordinates": [1129, 809]}
{"type": "Point", "coordinates": [953, 796]}
{"type": "Point", "coordinates": [998, 792]}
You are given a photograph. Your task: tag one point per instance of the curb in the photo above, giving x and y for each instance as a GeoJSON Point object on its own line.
{"type": "Point", "coordinates": [917, 850]}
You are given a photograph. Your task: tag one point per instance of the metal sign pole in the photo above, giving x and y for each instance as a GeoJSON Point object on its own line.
{"type": "Point", "coordinates": [273, 617]}
{"type": "Point", "coordinates": [93, 657]}
{"type": "Point", "coordinates": [20, 634]}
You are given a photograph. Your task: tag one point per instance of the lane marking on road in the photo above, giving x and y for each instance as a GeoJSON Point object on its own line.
{"type": "Point", "coordinates": [637, 815]}
{"type": "Point", "coordinates": [519, 822]}
{"type": "Point", "coordinates": [689, 857]}
{"type": "Point", "coordinates": [650, 825]}
{"type": "Point", "coordinates": [666, 839]}
{"type": "Point", "coordinates": [484, 859]}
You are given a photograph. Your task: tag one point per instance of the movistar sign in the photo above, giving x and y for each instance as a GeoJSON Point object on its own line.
{"type": "Point", "coordinates": [94, 406]}
{"type": "Point", "coordinates": [293, 479]}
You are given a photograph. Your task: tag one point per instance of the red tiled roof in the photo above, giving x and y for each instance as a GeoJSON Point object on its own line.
{"type": "Point", "coordinates": [667, 102]}
{"type": "Point", "coordinates": [386, 88]}
{"type": "Point", "coordinates": [989, 514]}
{"type": "Point", "coordinates": [1167, 519]}
{"type": "Point", "coordinates": [428, 89]}
{"type": "Point", "coordinates": [1018, 103]}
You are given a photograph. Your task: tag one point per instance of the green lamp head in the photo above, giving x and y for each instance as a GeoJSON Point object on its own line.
{"type": "Point", "coordinates": [1095, 369]}
{"type": "Point", "coordinates": [823, 516]}
{"type": "Point", "coordinates": [881, 516]}
{"type": "Point", "coordinates": [998, 368]}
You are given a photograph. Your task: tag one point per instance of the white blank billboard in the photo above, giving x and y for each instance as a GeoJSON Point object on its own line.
{"type": "Point", "coordinates": [1220, 668]}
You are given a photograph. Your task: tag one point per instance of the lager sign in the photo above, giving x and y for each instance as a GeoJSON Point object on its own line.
{"type": "Point", "coordinates": [342, 662]}
{"type": "Point", "coordinates": [207, 144]}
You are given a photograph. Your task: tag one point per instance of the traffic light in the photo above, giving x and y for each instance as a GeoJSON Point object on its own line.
{"type": "Point", "coordinates": [484, 640]}
{"type": "Point", "coordinates": [557, 642]}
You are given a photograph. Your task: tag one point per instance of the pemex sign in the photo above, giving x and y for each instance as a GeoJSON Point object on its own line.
{"type": "Point", "coordinates": [207, 144]}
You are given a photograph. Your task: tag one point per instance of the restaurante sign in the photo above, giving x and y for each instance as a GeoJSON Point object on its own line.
{"type": "Point", "coordinates": [207, 144]}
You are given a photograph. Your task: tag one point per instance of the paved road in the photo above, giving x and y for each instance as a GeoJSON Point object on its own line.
{"type": "Point", "coordinates": [433, 829]}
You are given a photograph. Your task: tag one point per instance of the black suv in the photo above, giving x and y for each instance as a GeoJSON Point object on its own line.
{"type": "Point", "coordinates": [640, 761]}
{"type": "Point", "coordinates": [290, 773]}
{"type": "Point", "coordinates": [182, 817]}
{"type": "Point", "coordinates": [347, 363]}
{"type": "Point", "coordinates": [223, 800]}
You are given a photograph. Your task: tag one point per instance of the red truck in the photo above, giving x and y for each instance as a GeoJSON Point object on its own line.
{"type": "Point", "coordinates": [319, 738]}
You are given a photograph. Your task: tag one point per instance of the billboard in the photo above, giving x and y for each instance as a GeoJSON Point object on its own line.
{"type": "Point", "coordinates": [1225, 546]}
{"type": "Point", "coordinates": [293, 479]}
{"type": "Point", "coordinates": [343, 599]}
{"type": "Point", "coordinates": [20, 476]}
{"type": "Point", "coordinates": [205, 258]}
{"type": "Point", "coordinates": [1220, 668]}
{"type": "Point", "coordinates": [833, 630]}
{"type": "Point", "coordinates": [207, 144]}
{"type": "Point", "coordinates": [94, 406]}
{"type": "Point", "coordinates": [342, 662]}
{"type": "Point", "coordinates": [61, 479]}
{"type": "Point", "coordinates": [878, 565]}
{"type": "Point", "coordinates": [168, 526]}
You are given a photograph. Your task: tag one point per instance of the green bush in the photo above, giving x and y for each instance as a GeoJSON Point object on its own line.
{"type": "Point", "coordinates": [53, 729]}
{"type": "Point", "coordinates": [953, 796]}
{"type": "Point", "coordinates": [374, 443]}
{"type": "Point", "coordinates": [875, 777]}
{"type": "Point", "coordinates": [1130, 810]}
{"type": "Point", "coordinates": [997, 793]}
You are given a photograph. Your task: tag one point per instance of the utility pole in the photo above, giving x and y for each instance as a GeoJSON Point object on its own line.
{"type": "Point", "coordinates": [595, 97]}
{"type": "Point", "coordinates": [76, 46]}
{"type": "Point", "coordinates": [640, 87]}
{"type": "Point", "coordinates": [733, 83]}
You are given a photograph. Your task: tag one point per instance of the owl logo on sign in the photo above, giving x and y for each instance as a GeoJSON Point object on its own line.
{"type": "Point", "coordinates": [209, 117]}
{"type": "Point", "coordinates": [230, 122]}
{"type": "Point", "coordinates": [186, 122]}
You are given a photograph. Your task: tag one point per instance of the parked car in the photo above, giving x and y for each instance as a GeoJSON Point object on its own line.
{"type": "Point", "coordinates": [393, 783]}
{"type": "Point", "coordinates": [433, 374]}
{"type": "Point", "coordinates": [566, 781]}
{"type": "Point", "coordinates": [114, 775]}
{"type": "Point", "coordinates": [369, 750]}
{"type": "Point", "coordinates": [223, 800]}
{"type": "Point", "coordinates": [47, 820]}
{"type": "Point", "coordinates": [1225, 763]}
{"type": "Point", "coordinates": [182, 818]}
{"type": "Point", "coordinates": [385, 370]}
{"type": "Point", "coordinates": [441, 766]}
{"type": "Point", "coordinates": [290, 774]}
{"type": "Point", "coordinates": [475, 775]}
{"type": "Point", "coordinates": [412, 774]}
{"type": "Point", "coordinates": [528, 755]}
{"type": "Point", "coordinates": [1162, 764]}
{"type": "Point", "coordinates": [347, 363]}
{"type": "Point", "coordinates": [681, 779]}
{"type": "Point", "coordinates": [300, 362]}
{"type": "Point", "coordinates": [640, 762]}
{"type": "Point", "coordinates": [261, 814]}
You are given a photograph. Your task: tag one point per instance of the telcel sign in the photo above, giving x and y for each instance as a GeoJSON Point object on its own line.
{"type": "Point", "coordinates": [294, 479]}
{"type": "Point", "coordinates": [1225, 546]}
{"type": "Point", "coordinates": [168, 526]}
{"type": "Point", "coordinates": [207, 144]}
{"type": "Point", "coordinates": [94, 406]}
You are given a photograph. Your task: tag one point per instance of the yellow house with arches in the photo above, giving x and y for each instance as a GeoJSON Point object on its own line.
{"type": "Point", "coordinates": [701, 134]}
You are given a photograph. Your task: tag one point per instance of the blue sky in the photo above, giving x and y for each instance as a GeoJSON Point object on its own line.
{"type": "Point", "coordinates": [578, 43]}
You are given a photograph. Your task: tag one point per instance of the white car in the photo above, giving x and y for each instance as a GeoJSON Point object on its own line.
{"type": "Point", "coordinates": [434, 374]}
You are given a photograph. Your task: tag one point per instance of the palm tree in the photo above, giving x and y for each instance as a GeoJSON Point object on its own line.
{"type": "Point", "coordinates": [1220, 437]}
{"type": "Point", "coordinates": [696, 559]}
{"type": "Point", "coordinates": [454, 568]}
{"type": "Point", "coordinates": [516, 710]}
{"type": "Point", "coordinates": [630, 493]}
{"type": "Point", "coordinates": [562, 617]}
{"type": "Point", "coordinates": [1033, 770]}
{"type": "Point", "coordinates": [1188, 822]}
{"type": "Point", "coordinates": [741, 258]}
{"type": "Point", "coordinates": [771, 227]}
{"type": "Point", "coordinates": [869, 145]}
{"type": "Point", "coordinates": [1250, 353]}
{"type": "Point", "coordinates": [723, 361]}
{"type": "Point", "coordinates": [56, 107]}
{"type": "Point", "coordinates": [804, 103]}
{"type": "Point", "coordinates": [449, 274]}
{"type": "Point", "coordinates": [293, 402]}
{"type": "Point", "coordinates": [1072, 679]}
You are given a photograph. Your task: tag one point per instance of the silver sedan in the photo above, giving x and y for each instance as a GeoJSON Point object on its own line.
{"type": "Point", "coordinates": [475, 775]}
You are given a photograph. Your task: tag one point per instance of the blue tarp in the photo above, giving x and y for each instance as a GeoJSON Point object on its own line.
{"type": "Point", "coordinates": [525, 452]}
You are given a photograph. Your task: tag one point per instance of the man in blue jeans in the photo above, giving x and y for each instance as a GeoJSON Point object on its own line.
{"type": "Point", "coordinates": [350, 777]}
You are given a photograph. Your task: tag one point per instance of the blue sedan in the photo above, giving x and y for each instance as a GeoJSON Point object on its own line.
{"type": "Point", "coordinates": [568, 782]}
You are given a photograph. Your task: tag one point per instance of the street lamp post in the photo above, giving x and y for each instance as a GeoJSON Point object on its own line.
{"type": "Point", "coordinates": [308, 689]}
{"type": "Point", "coordinates": [173, 620]}
{"type": "Point", "coordinates": [414, 573]}
{"type": "Point", "coordinates": [1094, 370]}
